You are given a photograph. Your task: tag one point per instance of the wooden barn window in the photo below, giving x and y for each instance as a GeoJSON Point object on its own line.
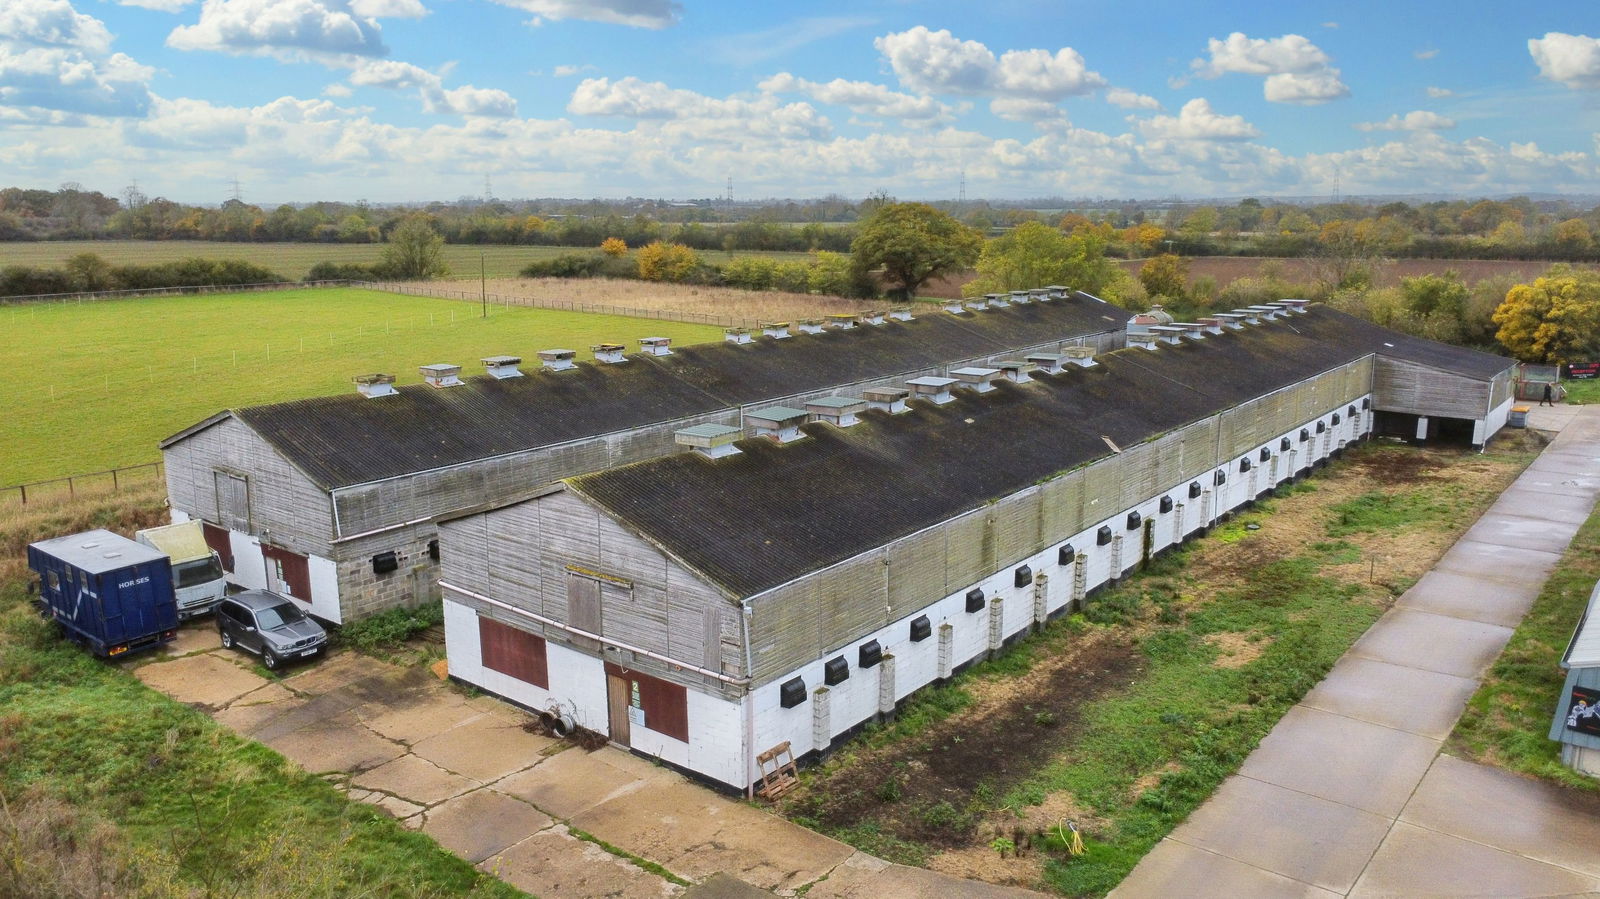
{"type": "Point", "coordinates": [292, 571]}
{"type": "Point", "coordinates": [514, 652]}
{"type": "Point", "coordinates": [665, 705]}
{"type": "Point", "coordinates": [233, 500]}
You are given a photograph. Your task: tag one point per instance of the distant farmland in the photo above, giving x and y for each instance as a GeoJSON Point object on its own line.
{"type": "Point", "coordinates": [105, 380]}
{"type": "Point", "coordinates": [293, 260]}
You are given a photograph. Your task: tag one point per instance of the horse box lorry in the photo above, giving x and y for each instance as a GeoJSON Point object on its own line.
{"type": "Point", "coordinates": [197, 578]}
{"type": "Point", "coordinates": [107, 593]}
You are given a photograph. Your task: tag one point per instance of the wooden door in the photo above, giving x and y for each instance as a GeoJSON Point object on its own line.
{"type": "Point", "coordinates": [618, 694]}
{"type": "Point", "coordinates": [583, 609]}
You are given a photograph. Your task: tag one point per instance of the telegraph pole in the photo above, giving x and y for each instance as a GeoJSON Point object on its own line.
{"type": "Point", "coordinates": [483, 284]}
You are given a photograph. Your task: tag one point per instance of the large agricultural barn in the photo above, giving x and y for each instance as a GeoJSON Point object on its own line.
{"type": "Point", "coordinates": [708, 606]}
{"type": "Point", "coordinates": [332, 500]}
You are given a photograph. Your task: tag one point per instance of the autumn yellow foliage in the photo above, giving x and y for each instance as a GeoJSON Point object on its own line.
{"type": "Point", "coordinates": [613, 246]}
{"type": "Point", "coordinates": [1554, 319]}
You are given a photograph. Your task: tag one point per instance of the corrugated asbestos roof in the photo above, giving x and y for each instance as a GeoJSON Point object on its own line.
{"type": "Point", "coordinates": [851, 491]}
{"type": "Point", "coordinates": [349, 439]}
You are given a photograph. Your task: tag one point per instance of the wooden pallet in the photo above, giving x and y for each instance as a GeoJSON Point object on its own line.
{"type": "Point", "coordinates": [778, 772]}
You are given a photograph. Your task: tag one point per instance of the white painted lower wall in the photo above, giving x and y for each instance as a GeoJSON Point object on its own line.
{"type": "Point", "coordinates": [250, 572]}
{"type": "Point", "coordinates": [719, 747]}
{"type": "Point", "coordinates": [1490, 426]}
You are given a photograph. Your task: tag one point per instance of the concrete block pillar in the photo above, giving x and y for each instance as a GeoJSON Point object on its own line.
{"type": "Point", "coordinates": [1422, 427]}
{"type": "Point", "coordinates": [1041, 599]}
{"type": "Point", "coordinates": [1116, 559]}
{"type": "Point", "coordinates": [947, 635]}
{"type": "Point", "coordinates": [886, 685]}
{"type": "Point", "coordinates": [1277, 469]}
{"type": "Point", "coordinates": [1294, 462]}
{"type": "Point", "coordinates": [821, 720]}
{"type": "Point", "coordinates": [1255, 481]}
{"type": "Point", "coordinates": [1080, 579]}
{"type": "Point", "coordinates": [997, 624]}
{"type": "Point", "coordinates": [1207, 510]}
{"type": "Point", "coordinates": [1178, 532]}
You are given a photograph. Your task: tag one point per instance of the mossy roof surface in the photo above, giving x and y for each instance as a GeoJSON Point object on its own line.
{"type": "Point", "coordinates": [774, 512]}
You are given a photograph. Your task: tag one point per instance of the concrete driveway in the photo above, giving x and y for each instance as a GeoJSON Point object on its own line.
{"type": "Point", "coordinates": [1349, 794]}
{"type": "Point", "coordinates": [543, 815]}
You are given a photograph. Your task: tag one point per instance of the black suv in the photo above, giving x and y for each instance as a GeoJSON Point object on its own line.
{"type": "Point", "coordinates": [269, 625]}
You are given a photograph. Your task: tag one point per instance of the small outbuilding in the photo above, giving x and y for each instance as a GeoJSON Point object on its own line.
{"type": "Point", "coordinates": [1577, 720]}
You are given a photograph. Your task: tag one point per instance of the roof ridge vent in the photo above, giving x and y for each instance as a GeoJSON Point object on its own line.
{"type": "Point", "coordinates": [1192, 330]}
{"type": "Point", "coordinates": [558, 360]}
{"type": "Point", "coordinates": [811, 326]}
{"type": "Point", "coordinates": [887, 399]}
{"type": "Point", "coordinates": [775, 330]}
{"type": "Point", "coordinates": [375, 385]}
{"type": "Point", "coordinates": [998, 300]}
{"type": "Point", "coordinates": [978, 304]}
{"type": "Point", "coordinates": [900, 313]}
{"type": "Point", "coordinates": [1081, 356]}
{"type": "Point", "coordinates": [502, 367]}
{"type": "Point", "coordinates": [1233, 321]}
{"type": "Point", "coordinates": [1297, 306]}
{"type": "Point", "coordinates": [843, 321]}
{"type": "Point", "coordinates": [873, 317]}
{"type": "Point", "coordinates": [656, 346]}
{"type": "Point", "coordinates": [1019, 297]}
{"type": "Point", "coordinates": [1017, 370]}
{"type": "Point", "coordinates": [932, 387]}
{"type": "Point", "coordinates": [1211, 324]}
{"type": "Point", "coordinates": [1055, 292]}
{"type": "Point", "coordinates": [978, 377]}
{"type": "Point", "coordinates": [1147, 340]}
{"type": "Point", "coordinates": [780, 423]}
{"type": "Point", "coordinates": [1168, 334]}
{"type": "Point", "coordinates": [1267, 311]}
{"type": "Point", "coordinates": [955, 307]}
{"type": "Point", "coordinates": [714, 441]}
{"type": "Point", "coordinates": [836, 410]}
{"type": "Point", "coordinates": [609, 353]}
{"type": "Point", "coordinates": [1049, 363]}
{"type": "Point", "coordinates": [441, 374]}
{"type": "Point", "coordinates": [1249, 315]}
{"type": "Point", "coordinates": [737, 335]}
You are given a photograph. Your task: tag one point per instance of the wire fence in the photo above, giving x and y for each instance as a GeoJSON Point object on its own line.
{"type": "Point", "coordinates": [508, 300]}
{"type": "Point", "coordinates": [112, 480]}
{"type": "Point", "coordinates": [96, 295]}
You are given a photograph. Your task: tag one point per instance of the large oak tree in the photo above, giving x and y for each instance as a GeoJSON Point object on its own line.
{"type": "Point", "coordinates": [913, 243]}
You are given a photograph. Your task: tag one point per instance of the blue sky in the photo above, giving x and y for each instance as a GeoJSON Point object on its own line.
{"type": "Point", "coordinates": [412, 100]}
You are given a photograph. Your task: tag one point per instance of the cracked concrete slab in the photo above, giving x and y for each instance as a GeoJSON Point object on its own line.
{"type": "Point", "coordinates": [1470, 597]}
{"type": "Point", "coordinates": [889, 881]}
{"type": "Point", "coordinates": [552, 862]}
{"type": "Point", "coordinates": [1414, 639]}
{"type": "Point", "coordinates": [415, 779]}
{"type": "Point", "coordinates": [574, 781]}
{"type": "Point", "coordinates": [1354, 763]}
{"type": "Point", "coordinates": [1178, 869]}
{"type": "Point", "coordinates": [207, 679]}
{"type": "Point", "coordinates": [412, 722]}
{"type": "Point", "coordinates": [482, 823]}
{"type": "Point", "coordinates": [336, 746]}
{"type": "Point", "coordinates": [485, 748]}
{"type": "Point", "coordinates": [697, 833]}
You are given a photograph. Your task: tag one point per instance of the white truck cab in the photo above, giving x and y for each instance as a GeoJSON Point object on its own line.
{"type": "Point", "coordinates": [196, 569]}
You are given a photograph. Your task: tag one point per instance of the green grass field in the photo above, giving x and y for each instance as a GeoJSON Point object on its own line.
{"type": "Point", "coordinates": [293, 260]}
{"type": "Point", "coordinates": [98, 383]}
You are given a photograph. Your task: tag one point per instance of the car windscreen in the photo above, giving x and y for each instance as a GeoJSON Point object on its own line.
{"type": "Point", "coordinates": [277, 616]}
{"type": "Point", "coordinates": [200, 571]}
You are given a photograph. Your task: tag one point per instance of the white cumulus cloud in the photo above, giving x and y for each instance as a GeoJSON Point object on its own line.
{"type": "Point", "coordinates": [937, 62]}
{"type": "Point", "coordinates": [862, 97]}
{"type": "Point", "coordinates": [637, 13]}
{"type": "Point", "coordinates": [1439, 93]}
{"type": "Point", "coordinates": [1569, 59]}
{"type": "Point", "coordinates": [56, 65]}
{"type": "Point", "coordinates": [314, 29]}
{"type": "Point", "coordinates": [436, 98]}
{"type": "Point", "coordinates": [1197, 121]}
{"type": "Point", "coordinates": [687, 111]}
{"type": "Point", "coordinates": [1296, 70]}
{"type": "Point", "coordinates": [389, 9]}
{"type": "Point", "coordinates": [1417, 120]}
{"type": "Point", "coordinates": [1026, 109]}
{"type": "Point", "coordinates": [1127, 99]}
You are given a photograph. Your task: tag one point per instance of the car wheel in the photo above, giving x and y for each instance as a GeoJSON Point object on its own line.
{"type": "Point", "coordinates": [227, 638]}
{"type": "Point", "coordinates": [269, 659]}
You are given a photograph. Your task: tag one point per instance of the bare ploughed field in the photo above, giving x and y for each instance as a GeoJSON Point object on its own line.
{"type": "Point", "coordinates": [747, 305]}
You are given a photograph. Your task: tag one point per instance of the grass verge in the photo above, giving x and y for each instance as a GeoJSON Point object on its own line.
{"type": "Point", "coordinates": [1507, 721]}
{"type": "Point", "coordinates": [109, 788]}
